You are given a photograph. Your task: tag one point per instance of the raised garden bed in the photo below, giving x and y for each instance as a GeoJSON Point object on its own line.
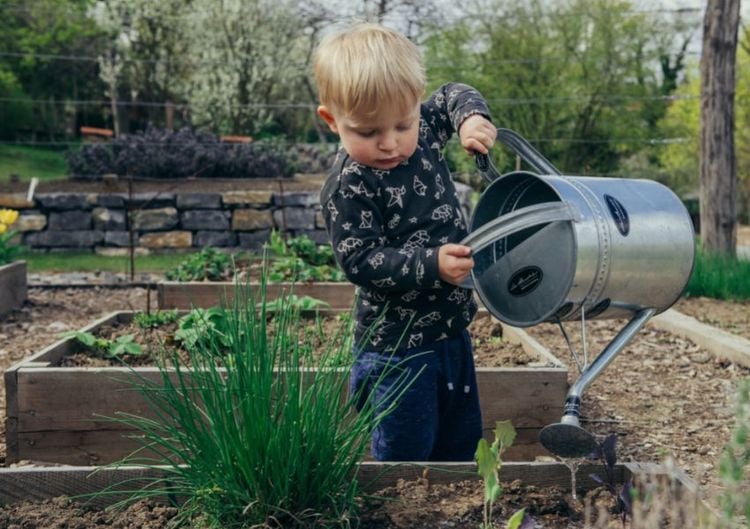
{"type": "Point", "coordinates": [58, 414]}
{"type": "Point", "coordinates": [13, 289]}
{"type": "Point", "coordinates": [411, 496]}
{"type": "Point", "coordinates": [179, 295]}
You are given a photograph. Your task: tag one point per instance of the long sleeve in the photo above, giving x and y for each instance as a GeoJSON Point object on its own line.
{"type": "Point", "coordinates": [449, 106]}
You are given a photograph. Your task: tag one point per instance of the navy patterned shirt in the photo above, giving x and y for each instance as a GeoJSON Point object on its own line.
{"type": "Point", "coordinates": [386, 228]}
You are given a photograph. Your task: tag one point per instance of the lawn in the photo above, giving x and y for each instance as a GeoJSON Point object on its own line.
{"type": "Point", "coordinates": [27, 162]}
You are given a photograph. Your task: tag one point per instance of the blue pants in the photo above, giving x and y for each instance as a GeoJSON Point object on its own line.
{"type": "Point", "coordinates": [438, 417]}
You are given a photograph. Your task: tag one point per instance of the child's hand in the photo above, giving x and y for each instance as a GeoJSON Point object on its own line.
{"type": "Point", "coordinates": [454, 263]}
{"type": "Point", "coordinates": [477, 134]}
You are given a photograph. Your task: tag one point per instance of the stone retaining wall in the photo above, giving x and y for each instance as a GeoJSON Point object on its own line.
{"type": "Point", "coordinates": [106, 222]}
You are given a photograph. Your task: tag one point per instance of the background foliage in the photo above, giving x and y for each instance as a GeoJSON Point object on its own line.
{"type": "Point", "coordinates": [607, 87]}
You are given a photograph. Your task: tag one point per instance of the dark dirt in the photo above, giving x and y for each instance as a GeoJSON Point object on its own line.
{"type": "Point", "coordinates": [491, 349]}
{"type": "Point", "coordinates": [664, 396]}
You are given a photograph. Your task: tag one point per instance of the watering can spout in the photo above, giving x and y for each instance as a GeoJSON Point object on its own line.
{"type": "Point", "coordinates": [567, 438]}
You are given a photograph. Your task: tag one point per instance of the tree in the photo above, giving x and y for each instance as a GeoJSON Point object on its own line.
{"type": "Point", "coordinates": [46, 44]}
{"type": "Point", "coordinates": [718, 164]}
{"type": "Point", "coordinates": [582, 79]}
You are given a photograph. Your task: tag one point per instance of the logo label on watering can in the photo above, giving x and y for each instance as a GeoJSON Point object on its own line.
{"type": "Point", "coordinates": [525, 280]}
{"type": "Point", "coordinates": [619, 214]}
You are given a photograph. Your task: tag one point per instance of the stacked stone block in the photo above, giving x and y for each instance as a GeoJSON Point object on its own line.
{"type": "Point", "coordinates": [163, 221]}
{"type": "Point", "coordinates": [106, 222]}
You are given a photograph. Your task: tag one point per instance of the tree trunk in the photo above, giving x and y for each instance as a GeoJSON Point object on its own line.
{"type": "Point", "coordinates": [718, 164]}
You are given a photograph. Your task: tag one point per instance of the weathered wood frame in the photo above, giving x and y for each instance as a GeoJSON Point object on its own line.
{"type": "Point", "coordinates": [13, 286]}
{"type": "Point", "coordinates": [39, 483]}
{"type": "Point", "coordinates": [178, 295]}
{"type": "Point", "coordinates": [59, 414]}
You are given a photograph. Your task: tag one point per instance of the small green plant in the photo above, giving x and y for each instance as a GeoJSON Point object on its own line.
{"type": "Point", "coordinates": [301, 259]}
{"type": "Point", "coordinates": [489, 462]}
{"type": "Point", "coordinates": [204, 325]}
{"type": "Point", "coordinates": [117, 348]}
{"type": "Point", "coordinates": [152, 320]}
{"type": "Point", "coordinates": [8, 251]}
{"type": "Point", "coordinates": [209, 264]}
{"type": "Point", "coordinates": [735, 499]}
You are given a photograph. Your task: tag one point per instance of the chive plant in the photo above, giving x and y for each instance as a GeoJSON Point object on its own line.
{"type": "Point", "coordinates": [249, 434]}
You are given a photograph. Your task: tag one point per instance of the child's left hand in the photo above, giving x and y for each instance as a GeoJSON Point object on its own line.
{"type": "Point", "coordinates": [477, 134]}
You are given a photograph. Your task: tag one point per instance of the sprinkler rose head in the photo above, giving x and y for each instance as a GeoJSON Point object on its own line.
{"type": "Point", "coordinates": [567, 440]}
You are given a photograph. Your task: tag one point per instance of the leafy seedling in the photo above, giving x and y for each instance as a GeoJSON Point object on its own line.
{"type": "Point", "coordinates": [606, 453]}
{"type": "Point", "coordinates": [117, 348]}
{"type": "Point", "coordinates": [489, 462]}
{"type": "Point", "coordinates": [296, 302]}
{"type": "Point", "coordinates": [203, 324]}
{"type": "Point", "coordinates": [156, 319]}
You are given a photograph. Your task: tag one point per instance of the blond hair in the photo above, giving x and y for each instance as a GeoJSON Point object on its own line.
{"type": "Point", "coordinates": [365, 67]}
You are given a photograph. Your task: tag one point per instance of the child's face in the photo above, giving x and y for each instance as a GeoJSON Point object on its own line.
{"type": "Point", "coordinates": [381, 142]}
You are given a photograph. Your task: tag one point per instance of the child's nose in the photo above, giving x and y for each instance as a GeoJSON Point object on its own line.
{"type": "Point", "coordinates": [388, 142]}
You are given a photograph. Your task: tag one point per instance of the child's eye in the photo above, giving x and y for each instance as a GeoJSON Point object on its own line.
{"type": "Point", "coordinates": [403, 127]}
{"type": "Point", "coordinates": [366, 133]}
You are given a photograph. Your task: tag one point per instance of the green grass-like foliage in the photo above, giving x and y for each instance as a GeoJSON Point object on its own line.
{"type": "Point", "coordinates": [250, 438]}
{"type": "Point", "coordinates": [734, 466]}
{"type": "Point", "coordinates": [720, 277]}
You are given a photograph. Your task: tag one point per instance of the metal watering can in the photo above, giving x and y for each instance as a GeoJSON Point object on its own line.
{"type": "Point", "coordinates": [550, 248]}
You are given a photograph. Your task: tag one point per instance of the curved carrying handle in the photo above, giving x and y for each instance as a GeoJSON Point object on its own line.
{"type": "Point", "coordinates": [522, 148]}
{"type": "Point", "coordinates": [518, 220]}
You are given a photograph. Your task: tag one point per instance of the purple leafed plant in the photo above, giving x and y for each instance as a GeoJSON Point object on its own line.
{"type": "Point", "coordinates": [606, 453]}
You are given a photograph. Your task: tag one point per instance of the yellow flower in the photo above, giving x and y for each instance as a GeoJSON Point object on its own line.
{"type": "Point", "coordinates": [8, 217]}
{"type": "Point", "coordinates": [3, 228]}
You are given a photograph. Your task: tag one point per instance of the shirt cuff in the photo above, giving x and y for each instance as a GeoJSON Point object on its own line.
{"type": "Point", "coordinates": [431, 278]}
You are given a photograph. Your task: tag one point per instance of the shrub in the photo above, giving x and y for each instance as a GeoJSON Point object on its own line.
{"type": "Point", "coordinates": [162, 153]}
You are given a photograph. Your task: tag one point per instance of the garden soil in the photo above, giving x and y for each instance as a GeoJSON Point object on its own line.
{"type": "Point", "coordinates": [663, 396]}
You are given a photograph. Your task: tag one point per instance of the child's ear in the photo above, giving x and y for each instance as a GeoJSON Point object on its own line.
{"type": "Point", "coordinates": [327, 116]}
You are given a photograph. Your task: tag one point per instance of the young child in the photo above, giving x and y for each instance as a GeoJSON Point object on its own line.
{"type": "Point", "coordinates": [394, 221]}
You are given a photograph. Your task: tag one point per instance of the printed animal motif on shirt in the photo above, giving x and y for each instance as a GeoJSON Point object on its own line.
{"type": "Point", "coordinates": [349, 245]}
{"type": "Point", "coordinates": [405, 313]}
{"type": "Point", "coordinates": [410, 296]}
{"type": "Point", "coordinates": [428, 319]}
{"type": "Point", "coordinates": [332, 210]}
{"type": "Point", "coordinates": [417, 240]}
{"type": "Point", "coordinates": [443, 213]}
{"type": "Point", "coordinates": [458, 295]}
{"type": "Point", "coordinates": [396, 196]}
{"type": "Point", "coordinates": [384, 283]}
{"type": "Point", "coordinates": [419, 187]}
{"type": "Point", "coordinates": [394, 220]}
{"type": "Point", "coordinates": [360, 189]}
{"type": "Point", "coordinates": [440, 186]}
{"type": "Point", "coordinates": [376, 260]}
{"type": "Point", "coordinates": [415, 340]}
{"type": "Point", "coordinates": [365, 219]}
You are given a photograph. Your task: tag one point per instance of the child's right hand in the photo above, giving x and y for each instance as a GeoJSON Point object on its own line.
{"type": "Point", "coordinates": [454, 263]}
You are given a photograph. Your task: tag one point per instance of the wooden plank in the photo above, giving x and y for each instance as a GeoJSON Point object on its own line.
{"type": "Point", "coordinates": [721, 343]}
{"type": "Point", "coordinates": [98, 447]}
{"type": "Point", "coordinates": [73, 398]}
{"type": "Point", "coordinates": [38, 483]}
{"type": "Point", "coordinates": [13, 286]}
{"type": "Point", "coordinates": [101, 447]}
{"type": "Point", "coordinates": [173, 295]}
{"type": "Point", "coordinates": [528, 397]}
{"type": "Point", "coordinates": [78, 398]}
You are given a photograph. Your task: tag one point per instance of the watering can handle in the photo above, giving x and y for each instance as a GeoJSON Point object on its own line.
{"type": "Point", "coordinates": [522, 148]}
